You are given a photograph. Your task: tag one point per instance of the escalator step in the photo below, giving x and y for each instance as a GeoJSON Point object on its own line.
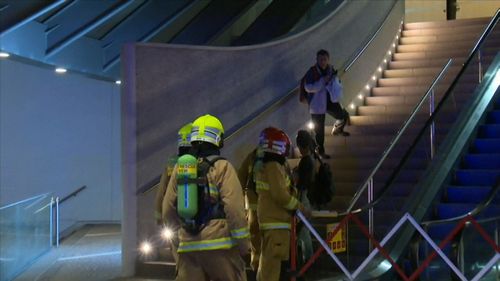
{"type": "Point", "coordinates": [446, 210]}
{"type": "Point", "coordinates": [476, 177]}
{"type": "Point", "coordinates": [493, 117]}
{"type": "Point", "coordinates": [487, 145]}
{"type": "Point", "coordinates": [489, 131]}
{"type": "Point", "coordinates": [482, 161]}
{"type": "Point", "coordinates": [467, 194]}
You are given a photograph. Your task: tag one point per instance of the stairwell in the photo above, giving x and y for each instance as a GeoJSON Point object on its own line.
{"type": "Point", "coordinates": [422, 51]}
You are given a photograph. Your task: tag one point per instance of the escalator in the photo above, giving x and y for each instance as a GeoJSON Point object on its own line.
{"type": "Point", "coordinates": [471, 183]}
{"type": "Point", "coordinates": [278, 19]}
{"type": "Point", "coordinates": [210, 21]}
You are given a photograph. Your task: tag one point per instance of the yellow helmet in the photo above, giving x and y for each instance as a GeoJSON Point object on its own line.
{"type": "Point", "coordinates": [207, 128]}
{"type": "Point", "coordinates": [184, 136]}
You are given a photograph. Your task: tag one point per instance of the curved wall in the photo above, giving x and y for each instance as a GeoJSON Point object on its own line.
{"type": "Point", "coordinates": [166, 86]}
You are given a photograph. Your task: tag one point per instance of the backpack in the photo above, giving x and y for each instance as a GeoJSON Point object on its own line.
{"type": "Point", "coordinates": [304, 96]}
{"type": "Point", "coordinates": [323, 189]}
{"type": "Point", "coordinates": [208, 202]}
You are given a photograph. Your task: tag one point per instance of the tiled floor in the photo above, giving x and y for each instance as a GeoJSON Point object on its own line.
{"type": "Point", "coordinates": [91, 253]}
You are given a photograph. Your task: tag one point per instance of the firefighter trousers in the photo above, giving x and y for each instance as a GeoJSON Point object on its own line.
{"type": "Point", "coordinates": [255, 239]}
{"type": "Point", "coordinates": [275, 249]}
{"type": "Point", "coordinates": [223, 265]}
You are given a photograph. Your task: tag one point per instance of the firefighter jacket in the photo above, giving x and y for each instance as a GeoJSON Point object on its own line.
{"type": "Point", "coordinates": [276, 197]}
{"type": "Point", "coordinates": [162, 187]}
{"type": "Point", "coordinates": [218, 234]}
{"type": "Point", "coordinates": [245, 175]}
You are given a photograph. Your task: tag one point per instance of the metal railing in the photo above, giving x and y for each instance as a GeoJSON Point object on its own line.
{"type": "Point", "coordinates": [272, 105]}
{"type": "Point", "coordinates": [368, 183]}
{"type": "Point", "coordinates": [55, 203]}
{"type": "Point", "coordinates": [478, 103]}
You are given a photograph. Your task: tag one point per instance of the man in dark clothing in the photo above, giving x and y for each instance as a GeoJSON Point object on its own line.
{"type": "Point", "coordinates": [325, 88]}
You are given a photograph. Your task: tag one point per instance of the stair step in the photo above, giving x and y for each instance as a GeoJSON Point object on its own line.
{"type": "Point", "coordinates": [374, 130]}
{"type": "Point", "coordinates": [420, 117]}
{"type": "Point", "coordinates": [419, 71]}
{"type": "Point", "coordinates": [476, 177]}
{"type": "Point", "coordinates": [467, 194]}
{"type": "Point", "coordinates": [435, 46]}
{"type": "Point", "coordinates": [435, 62]}
{"type": "Point", "coordinates": [487, 51]}
{"type": "Point", "coordinates": [402, 100]}
{"type": "Point", "coordinates": [348, 189]}
{"type": "Point", "coordinates": [450, 210]}
{"type": "Point", "coordinates": [465, 37]}
{"type": "Point", "coordinates": [354, 141]}
{"type": "Point", "coordinates": [489, 131]}
{"type": "Point", "coordinates": [491, 145]}
{"type": "Point", "coordinates": [457, 31]}
{"type": "Point", "coordinates": [461, 88]}
{"type": "Point", "coordinates": [423, 80]}
{"type": "Point", "coordinates": [406, 176]}
{"type": "Point", "coordinates": [482, 161]}
{"type": "Point", "coordinates": [449, 23]}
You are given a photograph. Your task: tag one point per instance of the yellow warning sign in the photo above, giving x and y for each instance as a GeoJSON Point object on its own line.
{"type": "Point", "coordinates": [338, 243]}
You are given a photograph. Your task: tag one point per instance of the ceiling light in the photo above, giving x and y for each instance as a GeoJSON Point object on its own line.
{"type": "Point", "coordinates": [118, 82]}
{"type": "Point", "coordinates": [4, 55]}
{"type": "Point", "coordinates": [61, 70]}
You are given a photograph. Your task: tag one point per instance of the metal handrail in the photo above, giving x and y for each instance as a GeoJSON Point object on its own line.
{"type": "Point", "coordinates": [72, 194]}
{"type": "Point", "coordinates": [236, 129]}
{"type": "Point", "coordinates": [393, 142]}
{"type": "Point", "coordinates": [430, 120]}
{"type": "Point", "coordinates": [478, 209]}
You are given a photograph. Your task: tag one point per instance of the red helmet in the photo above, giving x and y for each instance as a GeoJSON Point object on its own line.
{"type": "Point", "coordinates": [275, 141]}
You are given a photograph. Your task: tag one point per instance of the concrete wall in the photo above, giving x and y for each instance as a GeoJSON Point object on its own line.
{"type": "Point", "coordinates": [166, 86]}
{"type": "Point", "coordinates": [57, 133]}
{"type": "Point", "coordinates": [435, 10]}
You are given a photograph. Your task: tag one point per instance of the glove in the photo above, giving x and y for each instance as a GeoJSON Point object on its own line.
{"type": "Point", "coordinates": [306, 211]}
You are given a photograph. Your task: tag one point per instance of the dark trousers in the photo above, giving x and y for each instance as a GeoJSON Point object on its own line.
{"type": "Point", "coordinates": [336, 111]}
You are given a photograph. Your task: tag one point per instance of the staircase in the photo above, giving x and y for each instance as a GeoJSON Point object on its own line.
{"type": "Point", "coordinates": [422, 51]}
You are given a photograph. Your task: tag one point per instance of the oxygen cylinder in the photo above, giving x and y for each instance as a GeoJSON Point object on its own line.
{"type": "Point", "coordinates": [187, 191]}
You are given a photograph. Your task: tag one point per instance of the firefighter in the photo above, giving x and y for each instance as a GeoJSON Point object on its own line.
{"type": "Point", "coordinates": [183, 147]}
{"type": "Point", "coordinates": [212, 242]}
{"type": "Point", "coordinates": [245, 174]}
{"type": "Point", "coordinates": [276, 203]}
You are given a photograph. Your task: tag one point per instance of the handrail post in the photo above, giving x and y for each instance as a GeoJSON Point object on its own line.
{"type": "Point", "coordinates": [293, 249]}
{"type": "Point", "coordinates": [57, 221]}
{"type": "Point", "coordinates": [51, 222]}
{"type": "Point", "coordinates": [433, 125]}
{"type": "Point", "coordinates": [480, 66]}
{"type": "Point", "coordinates": [370, 213]}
